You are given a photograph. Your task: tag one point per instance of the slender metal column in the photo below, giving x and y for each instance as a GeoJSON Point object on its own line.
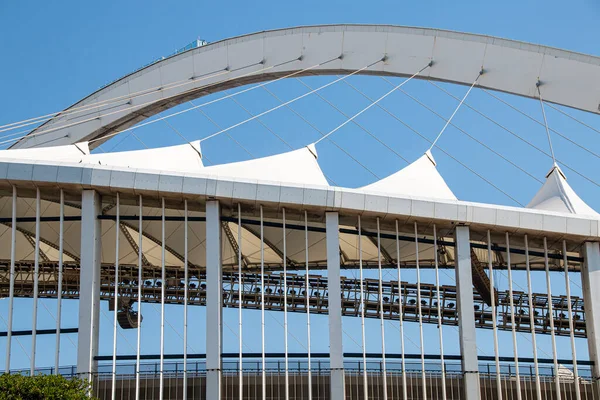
{"type": "Point", "coordinates": [494, 318]}
{"type": "Point", "coordinates": [336, 355]}
{"type": "Point", "coordinates": [11, 290]}
{"type": "Point", "coordinates": [571, 324]}
{"type": "Point", "coordinates": [285, 316]}
{"type": "Point", "coordinates": [466, 313]}
{"type": "Point", "coordinates": [306, 274]}
{"type": "Point", "coordinates": [590, 279]}
{"type": "Point", "coordinates": [362, 313]}
{"type": "Point", "coordinates": [185, 300]}
{"type": "Point", "coordinates": [439, 310]}
{"type": "Point", "coordinates": [421, 339]}
{"type": "Point", "coordinates": [163, 279]}
{"type": "Point", "coordinates": [89, 281]}
{"type": "Point", "coordinates": [214, 300]}
{"type": "Point", "coordinates": [512, 318]}
{"type": "Point", "coordinates": [116, 300]}
{"type": "Point", "coordinates": [36, 280]}
{"type": "Point", "coordinates": [60, 279]}
{"type": "Point", "coordinates": [400, 315]}
{"type": "Point", "coordinates": [240, 289]}
{"type": "Point", "coordinates": [536, 367]}
{"type": "Point", "coordinates": [262, 307]}
{"type": "Point", "coordinates": [551, 317]}
{"type": "Point", "coordinates": [139, 308]}
{"type": "Point", "coordinates": [382, 325]}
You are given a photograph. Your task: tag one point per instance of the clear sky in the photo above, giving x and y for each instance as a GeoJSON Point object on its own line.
{"type": "Point", "coordinates": [54, 53]}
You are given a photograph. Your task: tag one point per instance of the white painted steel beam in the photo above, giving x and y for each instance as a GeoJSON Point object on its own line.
{"type": "Point", "coordinates": [590, 279]}
{"type": "Point", "coordinates": [336, 353]}
{"type": "Point", "coordinates": [36, 282]}
{"type": "Point", "coordinates": [89, 280]}
{"type": "Point", "coordinates": [214, 300]}
{"type": "Point", "coordinates": [466, 314]}
{"type": "Point", "coordinates": [11, 292]}
{"type": "Point", "coordinates": [61, 234]}
{"type": "Point", "coordinates": [511, 66]}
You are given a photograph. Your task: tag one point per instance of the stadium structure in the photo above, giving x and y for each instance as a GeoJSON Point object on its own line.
{"type": "Point", "coordinates": [274, 234]}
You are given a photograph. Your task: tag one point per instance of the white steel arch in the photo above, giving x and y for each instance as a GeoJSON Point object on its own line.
{"type": "Point", "coordinates": [510, 66]}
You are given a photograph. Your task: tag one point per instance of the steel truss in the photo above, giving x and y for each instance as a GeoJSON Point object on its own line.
{"type": "Point", "coordinates": [297, 295]}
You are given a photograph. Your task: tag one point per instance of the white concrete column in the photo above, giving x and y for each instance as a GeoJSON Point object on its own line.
{"type": "Point", "coordinates": [466, 313]}
{"type": "Point", "coordinates": [590, 279]}
{"type": "Point", "coordinates": [89, 281]}
{"type": "Point", "coordinates": [336, 352]}
{"type": "Point", "coordinates": [214, 300]}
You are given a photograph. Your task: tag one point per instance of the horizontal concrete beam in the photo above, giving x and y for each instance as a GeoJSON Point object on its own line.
{"type": "Point", "coordinates": [197, 187]}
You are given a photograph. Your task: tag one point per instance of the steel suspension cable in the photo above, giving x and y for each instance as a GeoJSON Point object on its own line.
{"type": "Point", "coordinates": [185, 300]}
{"type": "Point", "coordinates": [571, 324]}
{"type": "Point", "coordinates": [141, 93]}
{"type": "Point", "coordinates": [116, 298]}
{"type": "Point", "coordinates": [465, 132]}
{"type": "Point", "coordinates": [494, 321]}
{"type": "Point", "coordinates": [540, 123]}
{"type": "Point", "coordinates": [240, 289]}
{"type": "Point", "coordinates": [515, 134]}
{"type": "Point", "coordinates": [310, 394]}
{"type": "Point", "coordinates": [419, 308]}
{"type": "Point", "coordinates": [108, 102]}
{"type": "Point", "coordinates": [139, 306]}
{"type": "Point", "coordinates": [456, 110]}
{"type": "Point", "coordinates": [354, 121]}
{"type": "Point", "coordinates": [551, 318]}
{"type": "Point", "coordinates": [439, 310]}
{"type": "Point", "coordinates": [572, 117]}
{"type": "Point", "coordinates": [425, 138]}
{"type": "Point", "coordinates": [538, 385]}
{"type": "Point", "coordinates": [400, 315]}
{"type": "Point", "coordinates": [262, 306]}
{"type": "Point", "coordinates": [285, 311]}
{"type": "Point", "coordinates": [288, 102]}
{"type": "Point", "coordinates": [173, 114]}
{"type": "Point", "coordinates": [382, 324]}
{"type": "Point", "coordinates": [362, 313]}
{"type": "Point", "coordinates": [546, 122]}
{"type": "Point", "coordinates": [322, 133]}
{"type": "Point", "coordinates": [512, 318]}
{"type": "Point", "coordinates": [373, 103]}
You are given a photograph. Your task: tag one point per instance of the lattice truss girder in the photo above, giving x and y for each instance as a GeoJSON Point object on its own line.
{"type": "Point", "coordinates": [297, 292]}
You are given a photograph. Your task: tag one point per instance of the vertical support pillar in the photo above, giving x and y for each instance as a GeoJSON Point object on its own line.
{"type": "Point", "coordinates": [214, 300]}
{"type": "Point", "coordinates": [466, 313]}
{"type": "Point", "coordinates": [590, 279]}
{"type": "Point", "coordinates": [89, 281]}
{"type": "Point", "coordinates": [336, 355]}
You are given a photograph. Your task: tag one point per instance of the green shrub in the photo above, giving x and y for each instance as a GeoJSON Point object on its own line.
{"type": "Point", "coordinates": [42, 387]}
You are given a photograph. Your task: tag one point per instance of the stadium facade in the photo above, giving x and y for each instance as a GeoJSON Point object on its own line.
{"type": "Point", "coordinates": [272, 234]}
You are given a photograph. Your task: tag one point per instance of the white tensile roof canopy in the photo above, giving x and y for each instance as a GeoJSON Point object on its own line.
{"type": "Point", "coordinates": [184, 157]}
{"type": "Point", "coordinates": [296, 167]}
{"type": "Point", "coordinates": [419, 179]}
{"type": "Point", "coordinates": [557, 195]}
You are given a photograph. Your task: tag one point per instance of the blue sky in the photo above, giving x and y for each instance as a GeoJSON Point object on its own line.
{"type": "Point", "coordinates": [56, 53]}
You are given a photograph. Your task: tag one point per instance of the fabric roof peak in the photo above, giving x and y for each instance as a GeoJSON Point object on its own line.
{"type": "Point", "coordinates": [557, 195]}
{"type": "Point", "coordinates": [183, 157]}
{"type": "Point", "coordinates": [297, 167]}
{"type": "Point", "coordinates": [418, 179]}
{"type": "Point", "coordinates": [69, 153]}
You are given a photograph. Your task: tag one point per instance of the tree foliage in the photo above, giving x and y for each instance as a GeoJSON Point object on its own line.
{"type": "Point", "coordinates": [38, 387]}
